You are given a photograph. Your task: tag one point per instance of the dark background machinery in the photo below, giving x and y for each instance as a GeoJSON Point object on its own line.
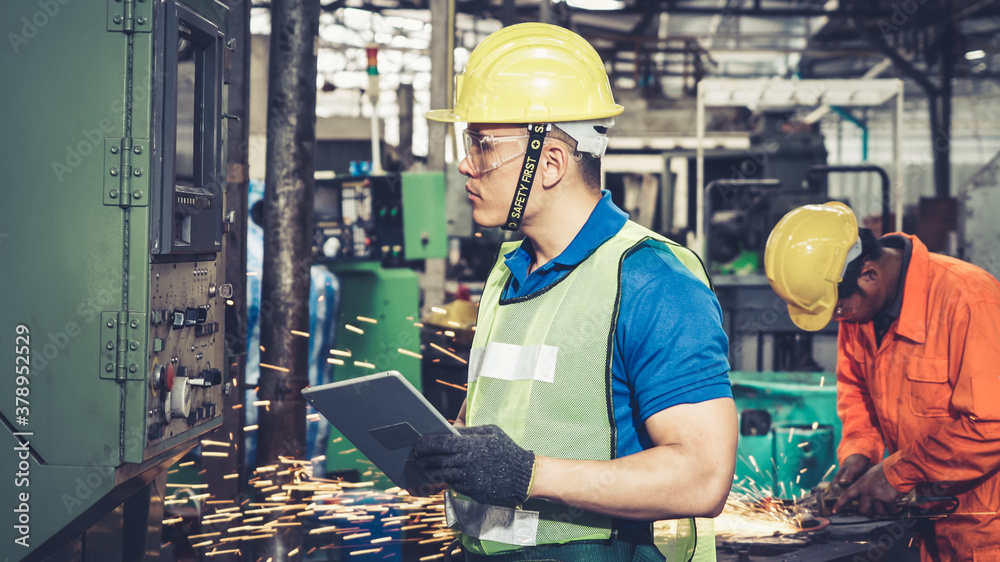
{"type": "Point", "coordinates": [114, 270]}
{"type": "Point", "coordinates": [373, 232]}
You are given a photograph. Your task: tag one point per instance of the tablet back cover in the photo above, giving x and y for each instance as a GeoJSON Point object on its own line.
{"type": "Point", "coordinates": [381, 415]}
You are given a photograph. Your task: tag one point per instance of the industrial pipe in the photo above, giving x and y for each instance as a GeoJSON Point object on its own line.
{"type": "Point", "coordinates": [288, 223]}
{"type": "Point", "coordinates": [861, 168]}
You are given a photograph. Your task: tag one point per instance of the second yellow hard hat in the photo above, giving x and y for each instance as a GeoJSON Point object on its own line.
{"type": "Point", "coordinates": [805, 258]}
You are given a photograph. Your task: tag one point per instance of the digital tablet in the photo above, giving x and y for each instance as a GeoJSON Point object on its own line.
{"type": "Point", "coordinates": [382, 415]}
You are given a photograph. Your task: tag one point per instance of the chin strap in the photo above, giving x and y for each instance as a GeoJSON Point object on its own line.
{"type": "Point", "coordinates": [536, 136]}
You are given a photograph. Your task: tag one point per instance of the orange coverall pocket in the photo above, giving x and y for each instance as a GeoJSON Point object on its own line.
{"type": "Point", "coordinates": [989, 554]}
{"type": "Point", "coordinates": [927, 386]}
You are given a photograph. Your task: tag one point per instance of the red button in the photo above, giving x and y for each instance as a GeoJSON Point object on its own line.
{"type": "Point", "coordinates": [170, 377]}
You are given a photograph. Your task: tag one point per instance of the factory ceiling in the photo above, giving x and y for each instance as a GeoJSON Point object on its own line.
{"type": "Point", "coordinates": [659, 50]}
{"type": "Point", "coordinates": [805, 38]}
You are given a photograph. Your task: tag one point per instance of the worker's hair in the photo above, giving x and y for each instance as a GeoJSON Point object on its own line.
{"type": "Point", "coordinates": [590, 165]}
{"type": "Point", "coordinates": [871, 249]}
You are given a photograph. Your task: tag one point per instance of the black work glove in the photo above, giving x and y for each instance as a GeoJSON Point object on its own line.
{"type": "Point", "coordinates": [482, 463]}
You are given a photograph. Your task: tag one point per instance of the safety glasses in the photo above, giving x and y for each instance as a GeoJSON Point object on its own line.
{"type": "Point", "coordinates": [487, 152]}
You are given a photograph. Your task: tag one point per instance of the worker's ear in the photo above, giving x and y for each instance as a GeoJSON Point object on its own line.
{"type": "Point", "coordinates": [869, 273]}
{"type": "Point", "coordinates": [554, 163]}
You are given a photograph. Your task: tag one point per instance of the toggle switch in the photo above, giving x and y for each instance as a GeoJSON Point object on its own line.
{"type": "Point", "coordinates": [206, 329]}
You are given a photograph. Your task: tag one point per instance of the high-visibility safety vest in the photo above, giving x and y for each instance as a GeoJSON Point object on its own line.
{"type": "Point", "coordinates": [540, 368]}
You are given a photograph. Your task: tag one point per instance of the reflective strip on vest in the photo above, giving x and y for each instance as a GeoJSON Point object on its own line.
{"type": "Point", "coordinates": [513, 362]}
{"type": "Point", "coordinates": [540, 368]}
{"type": "Point", "coordinates": [518, 527]}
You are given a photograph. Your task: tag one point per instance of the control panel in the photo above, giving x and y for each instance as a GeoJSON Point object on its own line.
{"type": "Point", "coordinates": [359, 218]}
{"type": "Point", "coordinates": [185, 383]}
{"type": "Point", "coordinates": [390, 218]}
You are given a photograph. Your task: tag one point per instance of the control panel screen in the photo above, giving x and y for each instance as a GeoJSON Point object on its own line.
{"type": "Point", "coordinates": [188, 210]}
{"type": "Point", "coordinates": [187, 74]}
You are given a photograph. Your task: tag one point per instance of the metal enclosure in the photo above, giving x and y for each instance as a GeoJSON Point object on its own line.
{"type": "Point", "coordinates": [789, 431]}
{"type": "Point", "coordinates": [111, 255]}
{"type": "Point", "coordinates": [390, 218]}
{"type": "Point", "coordinates": [979, 232]}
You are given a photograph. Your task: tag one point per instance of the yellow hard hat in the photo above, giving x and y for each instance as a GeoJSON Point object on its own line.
{"type": "Point", "coordinates": [531, 73]}
{"type": "Point", "coordinates": [806, 256]}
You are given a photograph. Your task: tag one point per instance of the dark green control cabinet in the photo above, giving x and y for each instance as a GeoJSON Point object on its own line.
{"type": "Point", "coordinates": [111, 255]}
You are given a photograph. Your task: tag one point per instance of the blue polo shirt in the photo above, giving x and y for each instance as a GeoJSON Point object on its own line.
{"type": "Point", "coordinates": [669, 345]}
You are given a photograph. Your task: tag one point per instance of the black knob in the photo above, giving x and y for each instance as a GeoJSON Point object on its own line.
{"type": "Point", "coordinates": [177, 319]}
{"type": "Point", "coordinates": [155, 431]}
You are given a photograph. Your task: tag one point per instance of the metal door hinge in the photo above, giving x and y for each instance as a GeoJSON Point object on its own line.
{"type": "Point", "coordinates": [126, 172]}
{"type": "Point", "coordinates": [130, 16]}
{"type": "Point", "coordinates": [123, 348]}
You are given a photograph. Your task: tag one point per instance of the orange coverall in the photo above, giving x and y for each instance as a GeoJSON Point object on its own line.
{"type": "Point", "coordinates": [931, 394]}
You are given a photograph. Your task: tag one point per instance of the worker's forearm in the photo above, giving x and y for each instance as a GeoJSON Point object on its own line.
{"type": "Point", "coordinates": [664, 482]}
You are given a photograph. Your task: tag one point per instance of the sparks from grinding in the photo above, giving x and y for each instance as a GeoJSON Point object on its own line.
{"type": "Point", "coordinates": [409, 353]}
{"type": "Point", "coordinates": [276, 368]}
{"type": "Point", "coordinates": [458, 386]}
{"type": "Point", "coordinates": [448, 353]}
{"type": "Point", "coordinates": [828, 471]}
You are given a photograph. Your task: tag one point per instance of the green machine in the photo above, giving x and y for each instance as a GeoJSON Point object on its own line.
{"type": "Point", "coordinates": [111, 263]}
{"type": "Point", "coordinates": [789, 431]}
{"type": "Point", "coordinates": [369, 231]}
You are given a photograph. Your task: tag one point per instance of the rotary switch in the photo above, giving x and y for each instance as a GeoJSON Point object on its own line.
{"type": "Point", "coordinates": [180, 398]}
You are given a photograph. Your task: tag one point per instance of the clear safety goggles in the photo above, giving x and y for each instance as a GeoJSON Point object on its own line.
{"type": "Point", "coordinates": [487, 152]}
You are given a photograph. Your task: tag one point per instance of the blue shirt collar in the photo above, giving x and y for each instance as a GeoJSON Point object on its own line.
{"type": "Point", "coordinates": [604, 222]}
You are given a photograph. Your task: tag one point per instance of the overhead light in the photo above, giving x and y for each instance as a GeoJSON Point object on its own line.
{"type": "Point", "coordinates": [973, 55]}
{"type": "Point", "coordinates": [596, 4]}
